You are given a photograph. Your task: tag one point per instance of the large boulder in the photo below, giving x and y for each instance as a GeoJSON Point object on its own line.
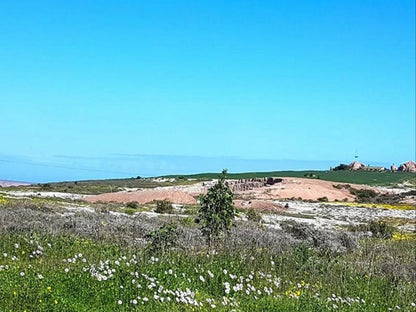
{"type": "Point", "coordinates": [409, 166]}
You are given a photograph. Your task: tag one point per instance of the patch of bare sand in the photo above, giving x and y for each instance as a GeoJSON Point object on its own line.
{"type": "Point", "coordinates": [259, 205]}
{"type": "Point", "coordinates": [306, 189]}
{"type": "Point", "coordinates": [145, 196]}
{"type": "Point", "coordinates": [289, 188]}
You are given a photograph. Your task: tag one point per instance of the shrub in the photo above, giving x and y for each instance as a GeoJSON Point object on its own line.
{"type": "Point", "coordinates": [363, 195]}
{"type": "Point", "coordinates": [132, 204]}
{"type": "Point", "coordinates": [342, 167]}
{"type": "Point", "coordinates": [217, 209]}
{"type": "Point", "coordinates": [163, 238]}
{"type": "Point", "coordinates": [323, 199]}
{"type": "Point", "coordinates": [164, 206]}
{"type": "Point", "coordinates": [379, 229]}
{"type": "Point", "coordinates": [253, 215]}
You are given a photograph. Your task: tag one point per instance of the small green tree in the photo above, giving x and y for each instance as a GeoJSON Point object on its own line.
{"type": "Point", "coordinates": [217, 210]}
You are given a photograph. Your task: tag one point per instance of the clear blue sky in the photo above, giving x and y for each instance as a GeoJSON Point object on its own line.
{"type": "Point", "coordinates": [83, 81]}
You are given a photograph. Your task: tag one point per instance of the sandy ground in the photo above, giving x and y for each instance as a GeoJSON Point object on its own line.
{"type": "Point", "coordinates": [306, 189]}
{"type": "Point", "coordinates": [333, 215]}
{"type": "Point", "coordinates": [289, 188]}
{"type": "Point", "coordinates": [145, 196]}
{"type": "Point", "coordinates": [259, 205]}
{"type": "Point", "coordinates": [22, 194]}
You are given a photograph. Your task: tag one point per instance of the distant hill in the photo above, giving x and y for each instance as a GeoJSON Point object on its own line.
{"type": "Point", "coordinates": [4, 183]}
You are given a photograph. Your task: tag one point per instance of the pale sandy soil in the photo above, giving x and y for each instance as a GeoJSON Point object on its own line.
{"type": "Point", "coordinates": [22, 194]}
{"type": "Point", "coordinates": [145, 196]}
{"type": "Point", "coordinates": [333, 215]}
{"type": "Point", "coordinates": [307, 189]}
{"type": "Point", "coordinates": [259, 205]}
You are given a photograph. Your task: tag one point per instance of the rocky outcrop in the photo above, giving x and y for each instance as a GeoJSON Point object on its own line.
{"type": "Point", "coordinates": [356, 165]}
{"type": "Point", "coordinates": [409, 166]}
{"type": "Point", "coordinates": [393, 168]}
{"type": "Point", "coordinates": [249, 184]}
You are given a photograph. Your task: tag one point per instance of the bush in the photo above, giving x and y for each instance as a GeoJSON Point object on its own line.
{"type": "Point", "coordinates": [132, 204]}
{"type": "Point", "coordinates": [342, 167]}
{"type": "Point", "coordinates": [163, 238]}
{"type": "Point", "coordinates": [323, 199]}
{"type": "Point", "coordinates": [164, 206]}
{"type": "Point", "coordinates": [253, 215]}
{"type": "Point", "coordinates": [363, 195]}
{"type": "Point", "coordinates": [379, 229]}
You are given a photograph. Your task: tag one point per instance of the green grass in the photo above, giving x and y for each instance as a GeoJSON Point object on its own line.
{"type": "Point", "coordinates": [41, 278]}
{"type": "Point", "coordinates": [358, 177]}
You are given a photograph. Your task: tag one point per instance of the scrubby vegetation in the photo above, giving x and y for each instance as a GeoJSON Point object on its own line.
{"type": "Point", "coordinates": [62, 255]}
{"type": "Point", "coordinates": [378, 229]}
{"type": "Point", "coordinates": [253, 215]}
{"type": "Point", "coordinates": [164, 206]}
{"type": "Point", "coordinates": [96, 261]}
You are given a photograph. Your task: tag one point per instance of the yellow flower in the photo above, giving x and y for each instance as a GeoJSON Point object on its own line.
{"type": "Point", "coordinates": [49, 288]}
{"type": "Point", "coordinates": [15, 293]}
{"type": "Point", "coordinates": [40, 300]}
{"type": "Point", "coordinates": [56, 301]}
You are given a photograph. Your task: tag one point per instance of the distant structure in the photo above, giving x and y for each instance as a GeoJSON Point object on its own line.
{"type": "Point", "coordinates": [409, 166]}
{"type": "Point", "coordinates": [393, 168]}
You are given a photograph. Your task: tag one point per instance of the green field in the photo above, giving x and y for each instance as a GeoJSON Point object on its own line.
{"type": "Point", "coordinates": [346, 176]}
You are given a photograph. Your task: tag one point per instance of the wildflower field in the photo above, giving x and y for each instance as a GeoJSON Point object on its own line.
{"type": "Point", "coordinates": [67, 255]}
{"type": "Point", "coordinates": [42, 272]}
